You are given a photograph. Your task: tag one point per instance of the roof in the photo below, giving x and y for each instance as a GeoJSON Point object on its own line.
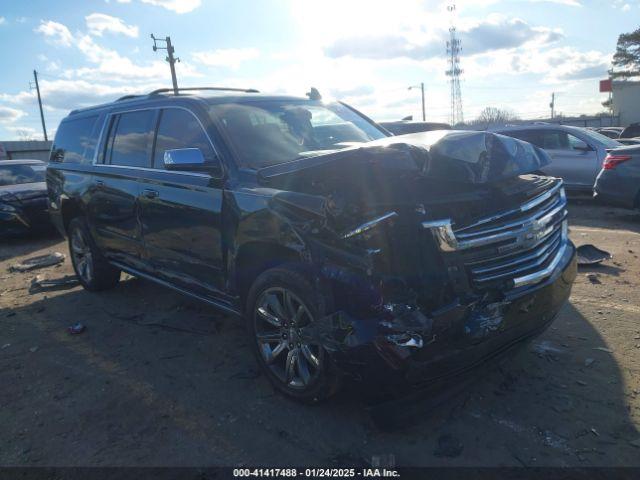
{"type": "Point", "coordinates": [21, 162]}
{"type": "Point", "coordinates": [537, 126]}
{"type": "Point", "coordinates": [205, 94]}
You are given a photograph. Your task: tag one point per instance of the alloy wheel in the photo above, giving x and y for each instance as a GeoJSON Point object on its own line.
{"type": "Point", "coordinates": [82, 256]}
{"type": "Point", "coordinates": [279, 319]}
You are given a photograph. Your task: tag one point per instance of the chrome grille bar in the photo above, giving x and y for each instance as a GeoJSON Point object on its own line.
{"type": "Point", "coordinates": [522, 246]}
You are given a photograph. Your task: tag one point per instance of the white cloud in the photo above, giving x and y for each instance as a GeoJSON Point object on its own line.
{"type": "Point", "coordinates": [24, 133]}
{"type": "Point", "coordinates": [2, 20]}
{"type": "Point", "coordinates": [570, 3]}
{"type": "Point", "coordinates": [98, 23]}
{"type": "Point", "coordinates": [228, 57]}
{"type": "Point", "coordinates": [105, 62]}
{"type": "Point", "coordinates": [9, 115]}
{"type": "Point", "coordinates": [178, 6]}
{"type": "Point", "coordinates": [57, 33]}
{"type": "Point", "coordinates": [494, 33]}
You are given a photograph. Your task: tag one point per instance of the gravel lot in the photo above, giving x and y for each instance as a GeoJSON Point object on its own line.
{"type": "Point", "coordinates": [158, 379]}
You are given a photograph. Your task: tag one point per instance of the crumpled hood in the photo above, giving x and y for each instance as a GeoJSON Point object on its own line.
{"type": "Point", "coordinates": [18, 194]}
{"type": "Point", "coordinates": [460, 157]}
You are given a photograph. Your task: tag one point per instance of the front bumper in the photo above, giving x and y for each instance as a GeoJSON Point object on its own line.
{"type": "Point", "coordinates": [416, 347]}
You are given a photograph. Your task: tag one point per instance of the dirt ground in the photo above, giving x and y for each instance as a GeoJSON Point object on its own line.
{"type": "Point", "coordinates": [158, 379]}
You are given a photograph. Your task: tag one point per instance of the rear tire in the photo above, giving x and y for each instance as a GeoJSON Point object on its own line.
{"type": "Point", "coordinates": [281, 301]}
{"type": "Point", "coordinates": [94, 272]}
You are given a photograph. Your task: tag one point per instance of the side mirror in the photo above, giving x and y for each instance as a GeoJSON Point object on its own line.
{"type": "Point", "coordinates": [188, 160]}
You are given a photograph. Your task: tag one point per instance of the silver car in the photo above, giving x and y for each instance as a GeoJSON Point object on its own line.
{"type": "Point", "coordinates": [576, 153]}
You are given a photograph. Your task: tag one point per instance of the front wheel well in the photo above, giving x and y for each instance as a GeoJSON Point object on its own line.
{"type": "Point", "coordinates": [256, 257]}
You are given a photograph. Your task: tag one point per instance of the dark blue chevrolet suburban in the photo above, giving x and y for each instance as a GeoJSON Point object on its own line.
{"type": "Point", "coordinates": [350, 254]}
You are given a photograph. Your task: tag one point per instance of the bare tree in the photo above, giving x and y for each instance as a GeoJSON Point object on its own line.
{"type": "Point", "coordinates": [494, 116]}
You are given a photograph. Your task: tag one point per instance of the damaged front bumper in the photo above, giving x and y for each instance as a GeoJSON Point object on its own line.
{"type": "Point", "coordinates": [406, 345]}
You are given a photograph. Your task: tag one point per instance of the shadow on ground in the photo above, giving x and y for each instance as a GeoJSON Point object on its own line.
{"type": "Point", "coordinates": [157, 379]}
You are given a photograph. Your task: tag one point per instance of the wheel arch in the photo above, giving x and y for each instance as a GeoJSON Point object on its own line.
{"type": "Point", "coordinates": [256, 257]}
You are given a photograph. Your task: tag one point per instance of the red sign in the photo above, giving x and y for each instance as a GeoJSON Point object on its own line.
{"type": "Point", "coordinates": [605, 86]}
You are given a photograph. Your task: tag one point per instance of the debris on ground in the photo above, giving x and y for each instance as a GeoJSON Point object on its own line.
{"type": "Point", "coordinates": [588, 362]}
{"type": "Point", "coordinates": [591, 255]}
{"type": "Point", "coordinates": [33, 349]}
{"type": "Point", "coordinates": [594, 278]}
{"type": "Point", "coordinates": [40, 283]}
{"type": "Point", "coordinates": [40, 261]}
{"type": "Point", "coordinates": [448, 446]}
{"type": "Point", "coordinates": [76, 329]}
{"type": "Point", "coordinates": [603, 349]}
{"type": "Point", "coordinates": [545, 347]}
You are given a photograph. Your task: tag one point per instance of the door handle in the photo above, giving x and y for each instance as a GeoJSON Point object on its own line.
{"type": "Point", "coordinates": [147, 192]}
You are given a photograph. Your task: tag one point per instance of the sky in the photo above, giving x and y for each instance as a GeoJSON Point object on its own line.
{"type": "Point", "coordinates": [515, 53]}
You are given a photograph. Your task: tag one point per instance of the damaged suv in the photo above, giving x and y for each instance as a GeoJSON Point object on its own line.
{"type": "Point", "coordinates": [349, 253]}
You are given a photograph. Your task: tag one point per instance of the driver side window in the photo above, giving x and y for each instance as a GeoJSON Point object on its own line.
{"type": "Point", "coordinates": [180, 129]}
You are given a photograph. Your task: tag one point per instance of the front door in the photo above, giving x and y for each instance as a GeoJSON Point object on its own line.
{"type": "Point", "coordinates": [571, 159]}
{"type": "Point", "coordinates": [181, 211]}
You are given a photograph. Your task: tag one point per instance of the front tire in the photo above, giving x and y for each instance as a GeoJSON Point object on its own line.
{"type": "Point", "coordinates": [94, 272]}
{"type": "Point", "coordinates": [281, 302]}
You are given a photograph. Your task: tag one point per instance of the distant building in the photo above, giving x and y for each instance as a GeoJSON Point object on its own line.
{"type": "Point", "coordinates": [626, 102]}
{"type": "Point", "coordinates": [28, 149]}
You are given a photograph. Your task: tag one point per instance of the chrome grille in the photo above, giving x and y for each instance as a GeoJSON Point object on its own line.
{"type": "Point", "coordinates": [521, 246]}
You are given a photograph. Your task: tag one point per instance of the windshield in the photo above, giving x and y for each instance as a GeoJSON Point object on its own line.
{"type": "Point", "coordinates": [603, 139]}
{"type": "Point", "coordinates": [16, 174]}
{"type": "Point", "coordinates": [265, 133]}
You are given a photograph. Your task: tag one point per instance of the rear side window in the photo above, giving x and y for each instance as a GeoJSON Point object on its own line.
{"type": "Point", "coordinates": [531, 136]}
{"type": "Point", "coordinates": [129, 142]}
{"type": "Point", "coordinates": [75, 141]}
{"type": "Point", "coordinates": [180, 129]}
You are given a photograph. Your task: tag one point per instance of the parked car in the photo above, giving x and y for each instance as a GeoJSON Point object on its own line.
{"type": "Point", "coordinates": [402, 127]}
{"type": "Point", "coordinates": [619, 180]}
{"type": "Point", "coordinates": [628, 141]}
{"type": "Point", "coordinates": [351, 255]}
{"type": "Point", "coordinates": [631, 131]}
{"type": "Point", "coordinates": [576, 153]}
{"type": "Point", "coordinates": [611, 132]}
{"type": "Point", "coordinates": [23, 197]}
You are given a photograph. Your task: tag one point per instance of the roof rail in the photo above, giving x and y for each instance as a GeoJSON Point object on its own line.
{"type": "Point", "coordinates": [223, 89]}
{"type": "Point", "coordinates": [127, 97]}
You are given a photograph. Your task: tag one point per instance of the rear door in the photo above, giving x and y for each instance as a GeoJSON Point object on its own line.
{"type": "Point", "coordinates": [571, 158]}
{"type": "Point", "coordinates": [113, 206]}
{"type": "Point", "coordinates": [181, 211]}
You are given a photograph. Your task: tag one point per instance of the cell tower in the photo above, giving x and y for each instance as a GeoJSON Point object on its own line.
{"type": "Point", "coordinates": [454, 72]}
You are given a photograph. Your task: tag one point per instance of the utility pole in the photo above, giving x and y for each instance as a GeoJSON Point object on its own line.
{"type": "Point", "coordinates": [44, 128]}
{"type": "Point", "coordinates": [424, 114]}
{"type": "Point", "coordinates": [170, 58]}
{"type": "Point", "coordinates": [553, 105]}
